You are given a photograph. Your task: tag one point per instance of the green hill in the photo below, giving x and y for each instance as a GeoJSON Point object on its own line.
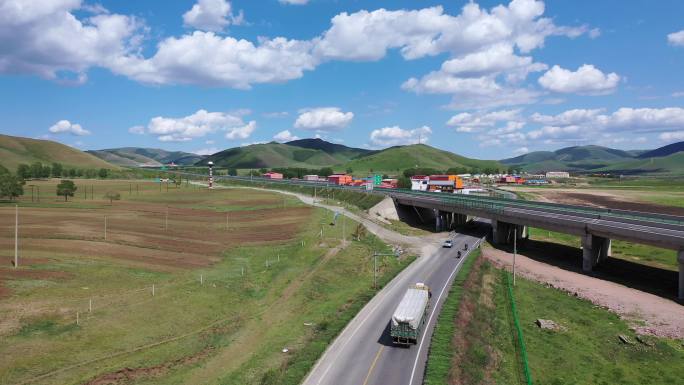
{"type": "Point", "coordinates": [576, 158]}
{"type": "Point", "coordinates": [671, 165]}
{"type": "Point", "coordinates": [272, 155]}
{"type": "Point", "coordinates": [399, 158]}
{"type": "Point", "coordinates": [670, 149]}
{"type": "Point", "coordinates": [337, 151]}
{"type": "Point", "coordinates": [137, 156]}
{"type": "Point", "coordinates": [16, 150]}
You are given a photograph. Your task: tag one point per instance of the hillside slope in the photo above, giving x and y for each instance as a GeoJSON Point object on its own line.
{"type": "Point", "coordinates": [576, 158]}
{"type": "Point", "coordinates": [399, 158]}
{"type": "Point", "coordinates": [338, 151]}
{"type": "Point", "coordinates": [663, 151]}
{"type": "Point", "coordinates": [671, 165]}
{"type": "Point", "coordinates": [15, 150]}
{"type": "Point", "coordinates": [271, 155]}
{"type": "Point", "coordinates": [138, 156]}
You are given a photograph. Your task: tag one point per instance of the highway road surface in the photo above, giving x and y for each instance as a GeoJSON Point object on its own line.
{"type": "Point", "coordinates": [363, 353]}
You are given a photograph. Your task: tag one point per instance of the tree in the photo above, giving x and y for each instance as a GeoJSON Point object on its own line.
{"type": "Point", "coordinates": [57, 170]}
{"type": "Point", "coordinates": [325, 171]}
{"type": "Point", "coordinates": [46, 171]}
{"type": "Point", "coordinates": [11, 186]}
{"type": "Point", "coordinates": [103, 173]}
{"type": "Point", "coordinates": [36, 170]}
{"type": "Point", "coordinates": [24, 171]}
{"type": "Point", "coordinates": [66, 188]}
{"type": "Point", "coordinates": [404, 182]}
{"type": "Point", "coordinates": [112, 196]}
{"type": "Point", "coordinates": [232, 171]}
{"type": "Point", "coordinates": [350, 170]}
{"type": "Point", "coordinates": [263, 170]}
{"type": "Point", "coordinates": [72, 173]}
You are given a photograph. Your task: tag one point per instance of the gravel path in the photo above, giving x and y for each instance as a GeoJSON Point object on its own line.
{"type": "Point", "coordinates": [662, 317]}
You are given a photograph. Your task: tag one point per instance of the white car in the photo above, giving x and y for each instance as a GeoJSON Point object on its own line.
{"type": "Point", "coordinates": [448, 243]}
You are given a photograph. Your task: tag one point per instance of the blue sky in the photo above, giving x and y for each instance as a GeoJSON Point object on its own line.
{"type": "Point", "coordinates": [488, 79]}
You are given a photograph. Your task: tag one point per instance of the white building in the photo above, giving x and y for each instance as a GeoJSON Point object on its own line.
{"type": "Point", "coordinates": [557, 174]}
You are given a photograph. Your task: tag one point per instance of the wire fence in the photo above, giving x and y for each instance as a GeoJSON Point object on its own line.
{"type": "Point", "coordinates": [516, 321]}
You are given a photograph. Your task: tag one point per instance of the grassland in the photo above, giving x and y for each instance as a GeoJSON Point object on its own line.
{"type": "Point", "coordinates": [207, 322]}
{"type": "Point", "coordinates": [634, 252]}
{"type": "Point", "coordinates": [15, 150]}
{"type": "Point", "coordinates": [585, 350]}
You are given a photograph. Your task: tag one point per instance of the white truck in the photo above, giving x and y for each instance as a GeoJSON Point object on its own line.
{"type": "Point", "coordinates": [410, 316]}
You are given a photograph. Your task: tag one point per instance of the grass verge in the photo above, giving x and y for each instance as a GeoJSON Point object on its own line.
{"type": "Point", "coordinates": [442, 350]}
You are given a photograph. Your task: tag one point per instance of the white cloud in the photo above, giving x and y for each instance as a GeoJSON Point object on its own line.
{"type": "Point", "coordinates": [569, 117]}
{"type": "Point", "coordinates": [594, 33]}
{"type": "Point", "coordinates": [521, 150]}
{"type": "Point", "coordinates": [207, 151]}
{"type": "Point", "coordinates": [429, 31]}
{"type": "Point", "coordinates": [473, 122]}
{"type": "Point", "coordinates": [396, 136]}
{"type": "Point", "coordinates": [645, 119]}
{"type": "Point", "coordinates": [66, 127]}
{"type": "Point", "coordinates": [284, 136]}
{"type": "Point", "coordinates": [242, 132]}
{"type": "Point", "coordinates": [138, 130]}
{"type": "Point", "coordinates": [586, 80]}
{"type": "Point", "coordinates": [673, 136]}
{"type": "Point", "coordinates": [323, 119]}
{"type": "Point", "coordinates": [676, 38]}
{"type": "Point", "coordinates": [493, 60]}
{"type": "Point", "coordinates": [211, 15]}
{"type": "Point", "coordinates": [293, 2]}
{"type": "Point", "coordinates": [46, 39]}
{"type": "Point", "coordinates": [678, 94]}
{"type": "Point", "coordinates": [207, 59]}
{"type": "Point", "coordinates": [587, 124]}
{"type": "Point", "coordinates": [196, 125]}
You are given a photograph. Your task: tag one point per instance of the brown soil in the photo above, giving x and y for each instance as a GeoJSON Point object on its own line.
{"type": "Point", "coordinates": [128, 375]}
{"type": "Point", "coordinates": [605, 200]}
{"type": "Point", "coordinates": [660, 316]}
{"type": "Point", "coordinates": [136, 234]}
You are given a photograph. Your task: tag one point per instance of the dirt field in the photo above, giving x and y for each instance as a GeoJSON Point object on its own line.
{"type": "Point", "coordinates": [136, 230]}
{"type": "Point", "coordinates": [614, 199]}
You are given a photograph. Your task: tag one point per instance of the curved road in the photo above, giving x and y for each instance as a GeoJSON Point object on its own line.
{"type": "Point", "coordinates": [363, 353]}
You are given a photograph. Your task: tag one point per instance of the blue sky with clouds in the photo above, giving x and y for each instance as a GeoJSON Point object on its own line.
{"type": "Point", "coordinates": [486, 79]}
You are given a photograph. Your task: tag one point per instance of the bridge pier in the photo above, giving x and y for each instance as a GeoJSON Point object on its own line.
{"type": "Point", "coordinates": [594, 251]}
{"type": "Point", "coordinates": [680, 259]}
{"type": "Point", "coordinates": [503, 233]}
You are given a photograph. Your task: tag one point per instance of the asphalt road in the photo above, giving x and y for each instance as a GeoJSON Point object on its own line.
{"type": "Point", "coordinates": [363, 353]}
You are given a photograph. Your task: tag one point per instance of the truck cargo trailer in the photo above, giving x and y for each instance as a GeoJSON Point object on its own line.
{"type": "Point", "coordinates": [409, 317]}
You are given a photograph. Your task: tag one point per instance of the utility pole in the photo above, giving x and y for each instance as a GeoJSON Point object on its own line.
{"type": "Point", "coordinates": [16, 236]}
{"type": "Point", "coordinates": [515, 249]}
{"type": "Point", "coordinates": [344, 224]}
{"type": "Point", "coordinates": [105, 237]}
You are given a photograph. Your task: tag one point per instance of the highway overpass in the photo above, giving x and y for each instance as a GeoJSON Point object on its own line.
{"type": "Point", "coordinates": [596, 227]}
{"type": "Point", "coordinates": [510, 217]}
